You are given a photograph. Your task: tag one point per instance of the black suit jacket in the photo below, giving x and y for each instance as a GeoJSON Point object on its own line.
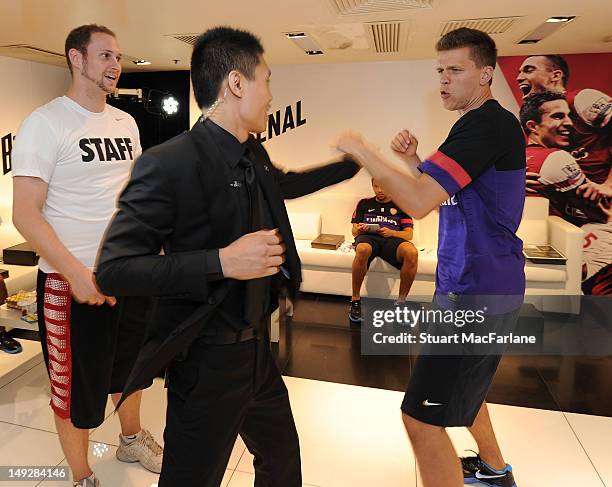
{"type": "Point", "coordinates": [179, 199]}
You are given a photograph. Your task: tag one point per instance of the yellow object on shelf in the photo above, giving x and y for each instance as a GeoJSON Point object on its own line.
{"type": "Point", "coordinates": [23, 300]}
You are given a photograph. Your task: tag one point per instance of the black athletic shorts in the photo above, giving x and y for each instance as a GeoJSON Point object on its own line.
{"type": "Point", "coordinates": [385, 248]}
{"type": "Point", "coordinates": [89, 350]}
{"type": "Point", "coordinates": [448, 390]}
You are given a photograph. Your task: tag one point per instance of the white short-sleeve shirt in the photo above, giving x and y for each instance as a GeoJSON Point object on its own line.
{"type": "Point", "coordinates": [86, 159]}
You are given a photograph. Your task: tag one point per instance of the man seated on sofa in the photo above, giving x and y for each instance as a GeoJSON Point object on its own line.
{"type": "Point", "coordinates": [381, 229]}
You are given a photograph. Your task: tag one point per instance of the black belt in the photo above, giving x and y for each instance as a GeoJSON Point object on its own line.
{"type": "Point", "coordinates": [227, 337]}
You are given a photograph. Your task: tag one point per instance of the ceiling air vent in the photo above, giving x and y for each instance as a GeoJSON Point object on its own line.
{"type": "Point", "coordinates": [497, 25]}
{"type": "Point", "coordinates": [31, 53]}
{"type": "Point", "coordinates": [38, 55]}
{"type": "Point", "coordinates": [358, 7]}
{"type": "Point", "coordinates": [387, 37]}
{"type": "Point", "coordinates": [186, 38]}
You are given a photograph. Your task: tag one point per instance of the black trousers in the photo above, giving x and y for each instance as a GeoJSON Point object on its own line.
{"type": "Point", "coordinates": [221, 391]}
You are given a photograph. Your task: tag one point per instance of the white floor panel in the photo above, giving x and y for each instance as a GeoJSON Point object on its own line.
{"type": "Point", "coordinates": [152, 416]}
{"type": "Point", "coordinates": [595, 434]}
{"type": "Point", "coordinates": [22, 446]}
{"type": "Point", "coordinates": [113, 473]}
{"type": "Point", "coordinates": [25, 401]}
{"type": "Point", "coordinates": [540, 446]}
{"type": "Point", "coordinates": [349, 436]}
{"type": "Point", "coordinates": [110, 471]}
{"type": "Point", "coordinates": [243, 479]}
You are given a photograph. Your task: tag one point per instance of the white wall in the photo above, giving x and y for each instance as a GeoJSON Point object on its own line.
{"type": "Point", "coordinates": [24, 86]}
{"type": "Point", "coordinates": [377, 99]}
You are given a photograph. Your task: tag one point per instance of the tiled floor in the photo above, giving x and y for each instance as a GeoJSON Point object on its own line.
{"type": "Point", "coordinates": [321, 345]}
{"type": "Point", "coordinates": [350, 436]}
{"type": "Point", "coordinates": [346, 408]}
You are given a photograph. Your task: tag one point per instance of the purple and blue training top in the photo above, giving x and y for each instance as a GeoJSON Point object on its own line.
{"type": "Point", "coordinates": [481, 165]}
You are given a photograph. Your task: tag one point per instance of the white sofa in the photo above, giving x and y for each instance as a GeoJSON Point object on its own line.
{"type": "Point", "coordinates": [549, 287]}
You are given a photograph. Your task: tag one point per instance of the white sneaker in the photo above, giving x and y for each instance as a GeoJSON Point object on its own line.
{"type": "Point", "coordinates": [143, 449]}
{"type": "Point", "coordinates": [90, 481]}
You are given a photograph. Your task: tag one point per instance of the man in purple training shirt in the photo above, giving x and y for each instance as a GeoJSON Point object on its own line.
{"type": "Point", "coordinates": [477, 179]}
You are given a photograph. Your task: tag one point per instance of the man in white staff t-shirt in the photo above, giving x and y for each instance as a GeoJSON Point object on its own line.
{"type": "Point", "coordinates": [71, 159]}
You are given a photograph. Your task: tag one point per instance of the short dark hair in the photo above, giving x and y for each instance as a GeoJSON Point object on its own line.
{"type": "Point", "coordinates": [80, 37]}
{"type": "Point", "coordinates": [558, 62]}
{"type": "Point", "coordinates": [482, 46]}
{"type": "Point", "coordinates": [532, 107]}
{"type": "Point", "coordinates": [216, 53]}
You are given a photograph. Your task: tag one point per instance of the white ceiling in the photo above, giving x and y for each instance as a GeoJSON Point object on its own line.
{"type": "Point", "coordinates": [144, 27]}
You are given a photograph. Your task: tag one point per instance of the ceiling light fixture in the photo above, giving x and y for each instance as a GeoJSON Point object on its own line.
{"type": "Point", "coordinates": [159, 102]}
{"type": "Point", "coordinates": [304, 42]}
{"type": "Point", "coordinates": [170, 105]}
{"type": "Point", "coordinates": [546, 28]}
{"type": "Point", "coordinates": [553, 20]}
{"type": "Point", "coordinates": [141, 62]}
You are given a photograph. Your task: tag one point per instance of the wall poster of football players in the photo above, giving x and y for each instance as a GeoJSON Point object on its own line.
{"type": "Point", "coordinates": [566, 111]}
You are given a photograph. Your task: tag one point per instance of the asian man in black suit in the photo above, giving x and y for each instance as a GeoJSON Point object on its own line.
{"type": "Point", "coordinates": [213, 201]}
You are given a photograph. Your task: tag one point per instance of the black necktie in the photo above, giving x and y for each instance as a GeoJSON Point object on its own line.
{"type": "Point", "coordinates": [255, 203]}
{"type": "Point", "coordinates": [256, 290]}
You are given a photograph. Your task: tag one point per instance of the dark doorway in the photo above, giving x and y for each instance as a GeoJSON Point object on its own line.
{"type": "Point", "coordinates": [156, 128]}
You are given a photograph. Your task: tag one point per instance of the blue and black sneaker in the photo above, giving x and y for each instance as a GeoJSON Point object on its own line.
{"type": "Point", "coordinates": [355, 312]}
{"type": "Point", "coordinates": [8, 344]}
{"type": "Point", "coordinates": [476, 471]}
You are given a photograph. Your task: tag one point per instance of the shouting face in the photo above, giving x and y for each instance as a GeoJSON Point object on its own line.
{"type": "Point", "coordinates": [460, 79]}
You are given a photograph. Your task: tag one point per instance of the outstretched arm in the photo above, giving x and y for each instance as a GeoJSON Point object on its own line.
{"type": "Point", "coordinates": [297, 184]}
{"type": "Point", "coordinates": [416, 196]}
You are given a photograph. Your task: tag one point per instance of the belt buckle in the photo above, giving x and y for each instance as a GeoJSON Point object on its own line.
{"type": "Point", "coordinates": [241, 334]}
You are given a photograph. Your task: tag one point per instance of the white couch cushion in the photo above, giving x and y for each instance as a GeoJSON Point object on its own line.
{"type": "Point", "coordinates": [545, 272]}
{"type": "Point", "coordinates": [323, 257]}
{"type": "Point", "coordinates": [533, 232]}
{"type": "Point", "coordinates": [534, 228]}
{"type": "Point", "coordinates": [305, 226]}
{"type": "Point", "coordinates": [536, 208]}
{"type": "Point", "coordinates": [335, 259]}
